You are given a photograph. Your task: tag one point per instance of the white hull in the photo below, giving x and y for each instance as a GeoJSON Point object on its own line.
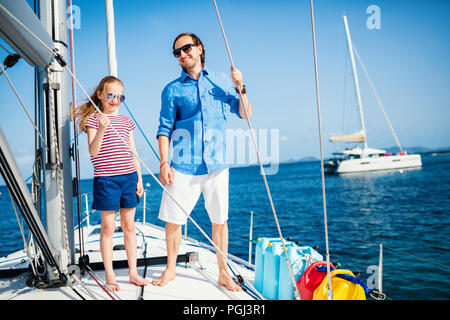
{"type": "Point", "coordinates": [194, 280]}
{"type": "Point", "coordinates": [374, 164]}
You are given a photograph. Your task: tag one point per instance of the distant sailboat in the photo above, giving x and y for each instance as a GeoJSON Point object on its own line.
{"type": "Point", "coordinates": [365, 159]}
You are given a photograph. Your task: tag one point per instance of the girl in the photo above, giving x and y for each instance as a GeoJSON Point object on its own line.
{"type": "Point", "coordinates": [117, 173]}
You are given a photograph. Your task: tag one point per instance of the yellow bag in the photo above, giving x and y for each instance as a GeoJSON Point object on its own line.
{"type": "Point", "coordinates": [343, 289]}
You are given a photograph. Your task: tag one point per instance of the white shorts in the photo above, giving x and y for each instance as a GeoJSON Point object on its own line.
{"type": "Point", "coordinates": [186, 190]}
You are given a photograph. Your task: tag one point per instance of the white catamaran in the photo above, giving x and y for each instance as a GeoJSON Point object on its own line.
{"type": "Point", "coordinates": [363, 159]}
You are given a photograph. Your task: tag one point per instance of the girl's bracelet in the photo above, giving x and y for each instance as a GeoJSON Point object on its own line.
{"type": "Point", "coordinates": [163, 164]}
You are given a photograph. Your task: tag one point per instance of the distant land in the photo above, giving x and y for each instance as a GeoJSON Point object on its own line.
{"type": "Point", "coordinates": [304, 159]}
{"type": "Point", "coordinates": [421, 150]}
{"type": "Point", "coordinates": [417, 149]}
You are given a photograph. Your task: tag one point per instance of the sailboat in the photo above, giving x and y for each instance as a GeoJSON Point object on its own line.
{"type": "Point", "coordinates": [364, 159]}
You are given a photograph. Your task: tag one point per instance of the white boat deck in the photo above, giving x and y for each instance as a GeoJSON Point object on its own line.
{"type": "Point", "coordinates": [194, 280]}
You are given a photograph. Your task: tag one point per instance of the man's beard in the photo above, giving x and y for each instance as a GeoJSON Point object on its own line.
{"type": "Point", "coordinates": [193, 66]}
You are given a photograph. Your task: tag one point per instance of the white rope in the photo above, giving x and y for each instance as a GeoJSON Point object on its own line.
{"type": "Point", "coordinates": [330, 291]}
{"type": "Point", "coordinates": [58, 164]}
{"type": "Point", "coordinates": [297, 293]}
{"type": "Point", "coordinates": [74, 279]}
{"type": "Point", "coordinates": [92, 274]}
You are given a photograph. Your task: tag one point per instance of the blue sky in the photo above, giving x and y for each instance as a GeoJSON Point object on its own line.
{"type": "Point", "coordinates": [407, 60]}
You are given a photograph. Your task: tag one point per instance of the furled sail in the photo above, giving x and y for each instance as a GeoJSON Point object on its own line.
{"type": "Point", "coordinates": [355, 137]}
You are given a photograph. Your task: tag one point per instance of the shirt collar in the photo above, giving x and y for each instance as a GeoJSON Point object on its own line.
{"type": "Point", "coordinates": [184, 75]}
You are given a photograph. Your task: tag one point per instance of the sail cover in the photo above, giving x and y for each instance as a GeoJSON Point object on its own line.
{"type": "Point", "coordinates": [355, 137]}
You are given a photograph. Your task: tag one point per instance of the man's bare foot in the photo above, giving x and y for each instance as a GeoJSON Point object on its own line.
{"type": "Point", "coordinates": [166, 276]}
{"type": "Point", "coordinates": [111, 284]}
{"type": "Point", "coordinates": [138, 280]}
{"type": "Point", "coordinates": [225, 280]}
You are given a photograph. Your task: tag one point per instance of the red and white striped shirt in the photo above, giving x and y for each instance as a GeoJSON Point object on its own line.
{"type": "Point", "coordinates": [114, 157]}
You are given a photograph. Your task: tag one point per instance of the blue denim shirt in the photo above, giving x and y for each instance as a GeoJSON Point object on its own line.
{"type": "Point", "coordinates": [193, 115]}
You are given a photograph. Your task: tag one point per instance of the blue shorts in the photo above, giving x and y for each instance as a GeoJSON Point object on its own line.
{"type": "Point", "coordinates": [115, 192]}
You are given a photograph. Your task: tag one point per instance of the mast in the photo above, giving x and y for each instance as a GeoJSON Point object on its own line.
{"type": "Point", "coordinates": [31, 37]}
{"type": "Point", "coordinates": [355, 77]}
{"type": "Point", "coordinates": [111, 39]}
{"type": "Point", "coordinates": [57, 165]}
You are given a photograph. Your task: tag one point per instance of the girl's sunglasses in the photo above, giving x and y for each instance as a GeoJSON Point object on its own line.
{"type": "Point", "coordinates": [186, 49]}
{"type": "Point", "coordinates": [112, 96]}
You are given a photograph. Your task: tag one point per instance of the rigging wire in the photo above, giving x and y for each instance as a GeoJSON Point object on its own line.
{"type": "Point", "coordinates": [330, 291]}
{"type": "Point", "coordinates": [23, 105]}
{"type": "Point", "coordinates": [294, 283]}
{"type": "Point", "coordinates": [378, 100]}
{"type": "Point", "coordinates": [142, 132]}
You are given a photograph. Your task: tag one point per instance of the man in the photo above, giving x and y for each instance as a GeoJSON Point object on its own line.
{"type": "Point", "coordinates": [193, 116]}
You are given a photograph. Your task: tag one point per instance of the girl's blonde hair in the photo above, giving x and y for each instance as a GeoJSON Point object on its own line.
{"type": "Point", "coordinates": [84, 111]}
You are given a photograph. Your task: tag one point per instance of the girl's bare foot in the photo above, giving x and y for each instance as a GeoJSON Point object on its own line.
{"type": "Point", "coordinates": [138, 280]}
{"type": "Point", "coordinates": [111, 284]}
{"type": "Point", "coordinates": [166, 276]}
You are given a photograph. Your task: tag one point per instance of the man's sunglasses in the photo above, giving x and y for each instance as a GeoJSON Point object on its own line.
{"type": "Point", "coordinates": [112, 96]}
{"type": "Point", "coordinates": [186, 49]}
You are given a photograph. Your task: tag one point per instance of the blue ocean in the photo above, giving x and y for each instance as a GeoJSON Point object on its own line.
{"type": "Point", "coordinates": [407, 212]}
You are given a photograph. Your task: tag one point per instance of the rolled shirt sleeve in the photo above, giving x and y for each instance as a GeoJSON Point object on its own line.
{"type": "Point", "coordinates": [167, 115]}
